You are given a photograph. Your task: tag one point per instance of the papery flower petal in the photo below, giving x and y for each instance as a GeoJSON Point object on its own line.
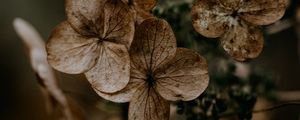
{"type": "Point", "coordinates": [146, 5]}
{"type": "Point", "coordinates": [210, 19]}
{"type": "Point", "coordinates": [154, 44]}
{"type": "Point", "coordinates": [183, 78]}
{"type": "Point", "coordinates": [83, 15]}
{"type": "Point", "coordinates": [119, 21]}
{"type": "Point", "coordinates": [243, 41]}
{"type": "Point", "coordinates": [70, 52]}
{"type": "Point", "coordinates": [263, 12]}
{"type": "Point", "coordinates": [112, 71]}
{"type": "Point", "coordinates": [147, 104]}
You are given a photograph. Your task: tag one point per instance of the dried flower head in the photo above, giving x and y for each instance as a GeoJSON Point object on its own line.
{"type": "Point", "coordinates": [94, 40]}
{"type": "Point", "coordinates": [38, 57]}
{"type": "Point", "coordinates": [160, 72]}
{"type": "Point", "coordinates": [236, 22]}
{"type": "Point", "coordinates": [143, 9]}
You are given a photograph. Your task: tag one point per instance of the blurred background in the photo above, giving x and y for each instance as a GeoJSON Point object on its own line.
{"type": "Point", "coordinates": [21, 97]}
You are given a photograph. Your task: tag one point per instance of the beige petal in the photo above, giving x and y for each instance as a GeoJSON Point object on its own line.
{"type": "Point", "coordinates": [210, 19]}
{"type": "Point", "coordinates": [183, 78]}
{"type": "Point", "coordinates": [146, 5]}
{"type": "Point", "coordinates": [83, 14]}
{"type": "Point", "coordinates": [119, 22]}
{"type": "Point", "coordinates": [45, 75]}
{"type": "Point", "coordinates": [112, 71]}
{"type": "Point", "coordinates": [263, 12]}
{"type": "Point", "coordinates": [230, 4]}
{"type": "Point", "coordinates": [70, 52]}
{"type": "Point", "coordinates": [243, 41]}
{"type": "Point", "coordinates": [154, 44]}
{"type": "Point", "coordinates": [147, 104]}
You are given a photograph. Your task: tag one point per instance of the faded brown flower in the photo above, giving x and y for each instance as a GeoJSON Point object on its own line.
{"type": "Point", "coordinates": [160, 72]}
{"type": "Point", "coordinates": [143, 9]}
{"type": "Point", "coordinates": [57, 101]}
{"type": "Point", "coordinates": [94, 40]}
{"type": "Point", "coordinates": [237, 22]}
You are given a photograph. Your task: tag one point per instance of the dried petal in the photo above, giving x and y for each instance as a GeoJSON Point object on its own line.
{"type": "Point", "coordinates": [263, 12]}
{"type": "Point", "coordinates": [146, 5]}
{"type": "Point", "coordinates": [70, 52]}
{"type": "Point", "coordinates": [183, 78]}
{"type": "Point", "coordinates": [154, 44]}
{"type": "Point", "coordinates": [210, 19]}
{"type": "Point", "coordinates": [112, 71]}
{"type": "Point", "coordinates": [147, 104]}
{"type": "Point", "coordinates": [243, 41]}
{"type": "Point", "coordinates": [83, 14]}
{"type": "Point", "coordinates": [142, 15]}
{"type": "Point", "coordinates": [37, 53]}
{"type": "Point", "coordinates": [119, 22]}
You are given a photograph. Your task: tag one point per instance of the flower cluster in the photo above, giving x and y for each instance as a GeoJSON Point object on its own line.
{"type": "Point", "coordinates": [127, 55]}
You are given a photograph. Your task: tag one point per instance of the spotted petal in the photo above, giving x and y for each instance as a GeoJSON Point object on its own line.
{"type": "Point", "coordinates": [154, 44]}
{"type": "Point", "coordinates": [183, 78]}
{"type": "Point", "coordinates": [70, 52]}
{"type": "Point", "coordinates": [263, 12]}
{"type": "Point", "coordinates": [243, 41]}
{"type": "Point", "coordinates": [112, 71]}
{"type": "Point", "coordinates": [147, 104]}
{"type": "Point", "coordinates": [146, 5]}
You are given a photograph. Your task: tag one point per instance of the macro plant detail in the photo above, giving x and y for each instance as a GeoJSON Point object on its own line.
{"type": "Point", "coordinates": [94, 40]}
{"type": "Point", "coordinates": [236, 23]}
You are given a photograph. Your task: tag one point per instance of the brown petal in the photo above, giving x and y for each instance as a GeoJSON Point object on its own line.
{"type": "Point", "coordinates": [146, 104]}
{"type": "Point", "coordinates": [112, 71]}
{"type": "Point", "coordinates": [183, 78]}
{"type": "Point", "coordinates": [146, 5]}
{"type": "Point", "coordinates": [209, 18]}
{"type": "Point", "coordinates": [70, 52]}
{"type": "Point", "coordinates": [142, 15]}
{"type": "Point", "coordinates": [154, 44]}
{"type": "Point", "coordinates": [83, 14]}
{"type": "Point", "coordinates": [45, 75]}
{"type": "Point", "coordinates": [243, 41]}
{"type": "Point", "coordinates": [263, 12]}
{"type": "Point", "coordinates": [119, 21]}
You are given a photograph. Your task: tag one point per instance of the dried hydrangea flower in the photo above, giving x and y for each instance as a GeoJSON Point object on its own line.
{"type": "Point", "coordinates": [94, 40]}
{"type": "Point", "coordinates": [236, 23]}
{"type": "Point", "coordinates": [160, 72]}
{"type": "Point", "coordinates": [45, 75]}
{"type": "Point", "coordinates": [143, 9]}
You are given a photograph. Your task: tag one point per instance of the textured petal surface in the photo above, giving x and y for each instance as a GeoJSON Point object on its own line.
{"type": "Point", "coordinates": [83, 15]}
{"type": "Point", "coordinates": [146, 5]}
{"type": "Point", "coordinates": [70, 52]}
{"type": "Point", "coordinates": [263, 12]}
{"type": "Point", "coordinates": [112, 71]}
{"type": "Point", "coordinates": [147, 104]}
{"type": "Point", "coordinates": [119, 22]}
{"type": "Point", "coordinates": [210, 19]}
{"type": "Point", "coordinates": [154, 44]}
{"type": "Point", "coordinates": [243, 41]}
{"type": "Point", "coordinates": [183, 78]}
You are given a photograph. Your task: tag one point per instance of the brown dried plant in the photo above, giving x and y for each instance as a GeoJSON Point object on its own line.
{"type": "Point", "coordinates": [160, 72]}
{"type": "Point", "coordinates": [94, 40]}
{"type": "Point", "coordinates": [237, 23]}
{"type": "Point", "coordinates": [143, 9]}
{"type": "Point", "coordinates": [59, 105]}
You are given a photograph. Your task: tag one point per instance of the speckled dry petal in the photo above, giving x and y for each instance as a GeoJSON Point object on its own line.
{"type": "Point", "coordinates": [148, 105]}
{"type": "Point", "coordinates": [209, 18]}
{"type": "Point", "coordinates": [45, 75]}
{"type": "Point", "coordinates": [83, 14]}
{"type": "Point", "coordinates": [142, 15]}
{"type": "Point", "coordinates": [69, 52]}
{"type": "Point", "coordinates": [183, 78]}
{"type": "Point", "coordinates": [154, 44]}
{"type": "Point", "coordinates": [112, 71]}
{"type": "Point", "coordinates": [263, 12]}
{"type": "Point", "coordinates": [119, 22]}
{"type": "Point", "coordinates": [229, 4]}
{"type": "Point", "coordinates": [146, 5]}
{"type": "Point", "coordinates": [243, 41]}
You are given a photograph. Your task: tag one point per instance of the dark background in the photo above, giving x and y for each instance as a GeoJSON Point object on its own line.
{"type": "Point", "coordinates": [21, 97]}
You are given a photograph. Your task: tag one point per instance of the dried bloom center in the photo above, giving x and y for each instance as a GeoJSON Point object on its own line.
{"type": "Point", "coordinates": [150, 80]}
{"type": "Point", "coordinates": [234, 14]}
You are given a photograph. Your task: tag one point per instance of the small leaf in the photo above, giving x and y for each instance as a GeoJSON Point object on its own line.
{"type": "Point", "coordinates": [243, 41]}
{"type": "Point", "coordinates": [183, 78]}
{"type": "Point", "coordinates": [147, 104]}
